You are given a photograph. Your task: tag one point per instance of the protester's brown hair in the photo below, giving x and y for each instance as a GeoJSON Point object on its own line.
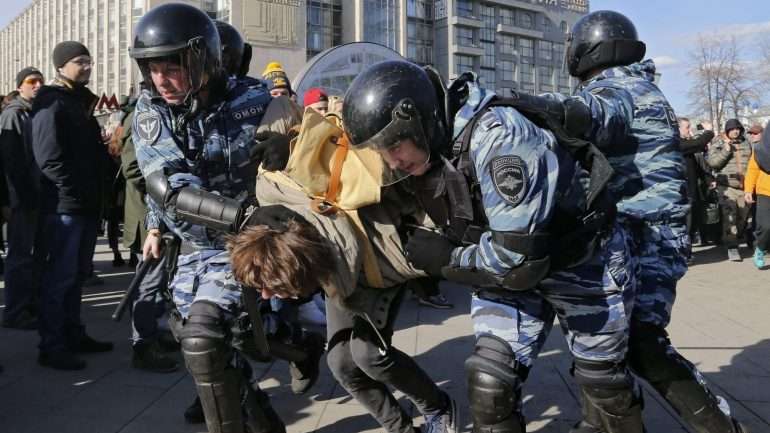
{"type": "Point", "coordinates": [290, 263]}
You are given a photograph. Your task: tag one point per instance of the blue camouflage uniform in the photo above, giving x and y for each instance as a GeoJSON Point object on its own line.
{"type": "Point", "coordinates": [637, 130]}
{"type": "Point", "coordinates": [591, 300]}
{"type": "Point", "coordinates": [215, 157]}
{"type": "Point", "coordinates": [634, 125]}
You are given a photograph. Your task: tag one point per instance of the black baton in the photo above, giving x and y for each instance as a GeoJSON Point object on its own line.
{"type": "Point", "coordinates": [132, 288]}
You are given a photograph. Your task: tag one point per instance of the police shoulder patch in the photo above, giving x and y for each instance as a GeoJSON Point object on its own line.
{"type": "Point", "coordinates": [509, 175]}
{"type": "Point", "coordinates": [148, 126]}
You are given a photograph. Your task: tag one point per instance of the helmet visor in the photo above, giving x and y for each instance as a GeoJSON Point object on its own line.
{"type": "Point", "coordinates": [402, 144]}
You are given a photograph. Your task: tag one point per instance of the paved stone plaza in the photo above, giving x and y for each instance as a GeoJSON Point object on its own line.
{"type": "Point", "coordinates": [721, 323]}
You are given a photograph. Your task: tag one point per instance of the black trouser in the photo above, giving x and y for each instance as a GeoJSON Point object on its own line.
{"type": "Point", "coordinates": [762, 223]}
{"type": "Point", "coordinates": [357, 362]}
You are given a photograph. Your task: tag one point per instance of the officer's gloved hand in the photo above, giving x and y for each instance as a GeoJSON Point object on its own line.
{"type": "Point", "coordinates": [275, 217]}
{"type": "Point", "coordinates": [429, 251]}
{"type": "Point", "coordinates": [271, 150]}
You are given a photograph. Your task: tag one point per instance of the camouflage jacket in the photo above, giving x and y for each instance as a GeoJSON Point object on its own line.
{"type": "Point", "coordinates": [518, 168]}
{"type": "Point", "coordinates": [212, 152]}
{"type": "Point", "coordinates": [729, 159]}
{"type": "Point", "coordinates": [635, 127]}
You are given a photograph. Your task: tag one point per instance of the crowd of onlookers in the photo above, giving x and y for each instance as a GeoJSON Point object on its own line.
{"type": "Point", "coordinates": [728, 183]}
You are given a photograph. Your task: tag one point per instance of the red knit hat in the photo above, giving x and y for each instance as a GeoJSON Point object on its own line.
{"type": "Point", "coordinates": [313, 95]}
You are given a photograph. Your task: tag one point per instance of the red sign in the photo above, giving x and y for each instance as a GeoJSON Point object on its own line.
{"type": "Point", "coordinates": [106, 103]}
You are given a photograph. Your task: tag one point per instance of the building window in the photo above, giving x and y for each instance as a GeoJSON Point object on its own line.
{"type": "Point", "coordinates": [526, 48]}
{"type": "Point", "coordinates": [564, 86]}
{"type": "Point", "coordinates": [526, 74]}
{"type": "Point", "coordinates": [464, 36]}
{"type": "Point", "coordinates": [507, 70]}
{"type": "Point", "coordinates": [525, 19]}
{"type": "Point", "coordinates": [465, 8]}
{"type": "Point", "coordinates": [506, 44]}
{"type": "Point", "coordinates": [381, 22]}
{"type": "Point", "coordinates": [419, 34]}
{"type": "Point", "coordinates": [488, 59]}
{"type": "Point", "coordinates": [558, 52]}
{"type": "Point", "coordinates": [506, 17]}
{"type": "Point", "coordinates": [422, 9]}
{"type": "Point", "coordinates": [490, 27]}
{"type": "Point", "coordinates": [463, 64]}
{"type": "Point", "coordinates": [545, 79]}
{"type": "Point", "coordinates": [324, 27]}
{"type": "Point", "coordinates": [564, 27]}
{"type": "Point", "coordinates": [545, 50]}
{"type": "Point", "coordinates": [487, 78]}
{"type": "Point", "coordinates": [547, 24]}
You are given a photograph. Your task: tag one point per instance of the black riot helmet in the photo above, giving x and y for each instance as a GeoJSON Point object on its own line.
{"type": "Point", "coordinates": [182, 33]}
{"type": "Point", "coordinates": [391, 101]}
{"type": "Point", "coordinates": [233, 48]}
{"type": "Point", "coordinates": [600, 40]}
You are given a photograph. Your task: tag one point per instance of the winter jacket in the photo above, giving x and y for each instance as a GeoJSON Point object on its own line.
{"type": "Point", "coordinates": [757, 180]}
{"type": "Point", "coordinates": [68, 149]}
{"type": "Point", "coordinates": [18, 161]}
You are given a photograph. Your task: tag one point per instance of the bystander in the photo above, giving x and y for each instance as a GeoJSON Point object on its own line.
{"type": "Point", "coordinates": [67, 145]}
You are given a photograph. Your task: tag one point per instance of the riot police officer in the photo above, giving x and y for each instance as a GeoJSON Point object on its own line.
{"type": "Point", "coordinates": [236, 54]}
{"type": "Point", "coordinates": [194, 130]}
{"type": "Point", "coordinates": [634, 125]}
{"type": "Point", "coordinates": [495, 194]}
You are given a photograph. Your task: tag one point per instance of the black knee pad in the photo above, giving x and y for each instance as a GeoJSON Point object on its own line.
{"type": "Point", "coordinates": [494, 386]}
{"type": "Point", "coordinates": [609, 395]}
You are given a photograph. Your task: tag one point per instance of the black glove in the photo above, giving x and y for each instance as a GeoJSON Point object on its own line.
{"type": "Point", "coordinates": [271, 150]}
{"type": "Point", "coordinates": [429, 251]}
{"type": "Point", "coordinates": [274, 216]}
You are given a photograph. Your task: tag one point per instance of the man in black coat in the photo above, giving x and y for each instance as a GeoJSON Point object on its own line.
{"type": "Point", "coordinates": [692, 147]}
{"type": "Point", "coordinates": [23, 262]}
{"type": "Point", "coordinates": [67, 145]}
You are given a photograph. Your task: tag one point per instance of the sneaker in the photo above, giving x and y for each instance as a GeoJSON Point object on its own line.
{"type": "Point", "coordinates": [89, 345]}
{"type": "Point", "coordinates": [436, 301]}
{"type": "Point", "coordinates": [443, 422]}
{"type": "Point", "coordinates": [25, 322]}
{"type": "Point", "coordinates": [759, 258]}
{"type": "Point", "coordinates": [118, 262]}
{"type": "Point", "coordinates": [194, 413]}
{"type": "Point", "coordinates": [148, 356]}
{"type": "Point", "coordinates": [60, 361]}
{"type": "Point", "coordinates": [734, 255]}
{"type": "Point", "coordinates": [305, 374]}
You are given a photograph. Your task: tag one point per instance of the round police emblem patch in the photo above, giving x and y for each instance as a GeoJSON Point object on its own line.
{"type": "Point", "coordinates": [509, 175]}
{"type": "Point", "coordinates": [148, 126]}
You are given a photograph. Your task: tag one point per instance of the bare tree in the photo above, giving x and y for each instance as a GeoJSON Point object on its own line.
{"type": "Point", "coordinates": [722, 82]}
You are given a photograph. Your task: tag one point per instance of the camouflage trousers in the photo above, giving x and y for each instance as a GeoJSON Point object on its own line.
{"type": "Point", "coordinates": [735, 214]}
{"type": "Point", "coordinates": [205, 275]}
{"type": "Point", "coordinates": [593, 302]}
{"type": "Point", "coordinates": [661, 252]}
